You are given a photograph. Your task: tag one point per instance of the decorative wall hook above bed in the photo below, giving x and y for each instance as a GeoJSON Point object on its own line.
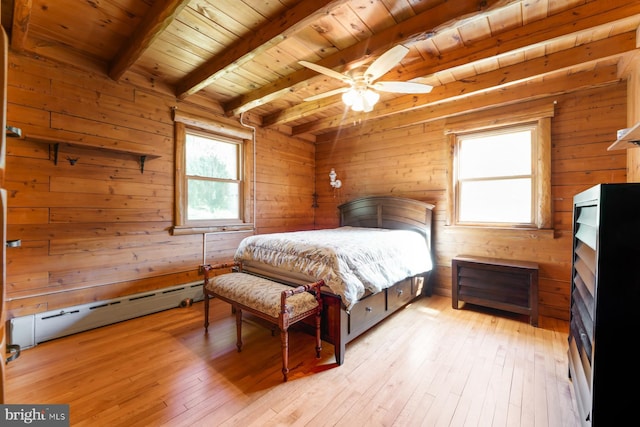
{"type": "Point", "coordinates": [335, 183]}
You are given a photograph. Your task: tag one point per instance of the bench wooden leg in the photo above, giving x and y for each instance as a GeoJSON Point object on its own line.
{"type": "Point", "coordinates": [206, 313]}
{"type": "Point", "coordinates": [239, 329]}
{"type": "Point", "coordinates": [284, 337]}
{"type": "Point", "coordinates": [318, 338]}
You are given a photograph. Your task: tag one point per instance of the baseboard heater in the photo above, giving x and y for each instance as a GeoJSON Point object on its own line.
{"type": "Point", "coordinates": [28, 331]}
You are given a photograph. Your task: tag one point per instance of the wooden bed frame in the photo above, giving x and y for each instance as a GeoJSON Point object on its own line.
{"type": "Point", "coordinates": [340, 327]}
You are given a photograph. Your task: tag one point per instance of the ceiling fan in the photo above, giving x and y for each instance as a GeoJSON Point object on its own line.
{"type": "Point", "coordinates": [361, 95]}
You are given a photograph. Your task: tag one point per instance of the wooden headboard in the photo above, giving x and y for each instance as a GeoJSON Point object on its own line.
{"type": "Point", "coordinates": [388, 212]}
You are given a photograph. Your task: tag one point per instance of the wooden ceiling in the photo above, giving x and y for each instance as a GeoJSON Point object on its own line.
{"type": "Point", "coordinates": [242, 55]}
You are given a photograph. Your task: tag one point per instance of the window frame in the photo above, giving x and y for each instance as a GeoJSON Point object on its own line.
{"type": "Point", "coordinates": [238, 180]}
{"type": "Point", "coordinates": [535, 115]}
{"type": "Point", "coordinates": [199, 126]}
{"type": "Point", "coordinates": [531, 175]}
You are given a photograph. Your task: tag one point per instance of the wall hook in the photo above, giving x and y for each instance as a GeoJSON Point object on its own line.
{"type": "Point", "coordinates": [72, 161]}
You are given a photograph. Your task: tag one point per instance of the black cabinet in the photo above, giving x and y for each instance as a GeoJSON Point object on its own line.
{"type": "Point", "coordinates": [605, 302]}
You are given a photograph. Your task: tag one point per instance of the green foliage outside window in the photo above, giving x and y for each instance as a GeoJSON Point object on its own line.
{"type": "Point", "coordinates": [213, 184]}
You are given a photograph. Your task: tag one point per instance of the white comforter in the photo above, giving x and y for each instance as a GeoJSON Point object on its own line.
{"type": "Point", "coordinates": [349, 259]}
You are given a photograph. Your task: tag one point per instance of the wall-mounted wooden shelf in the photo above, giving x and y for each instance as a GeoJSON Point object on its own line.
{"type": "Point", "coordinates": [629, 139]}
{"type": "Point", "coordinates": [55, 144]}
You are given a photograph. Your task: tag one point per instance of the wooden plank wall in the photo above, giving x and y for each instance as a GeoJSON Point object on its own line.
{"type": "Point", "coordinates": [99, 228]}
{"type": "Point", "coordinates": [631, 71]}
{"type": "Point", "coordinates": [412, 162]}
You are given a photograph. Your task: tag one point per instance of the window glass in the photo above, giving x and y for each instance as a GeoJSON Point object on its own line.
{"type": "Point", "coordinates": [211, 158]}
{"type": "Point", "coordinates": [503, 201]}
{"type": "Point", "coordinates": [496, 177]}
{"type": "Point", "coordinates": [496, 154]}
{"type": "Point", "coordinates": [213, 178]}
{"type": "Point", "coordinates": [212, 200]}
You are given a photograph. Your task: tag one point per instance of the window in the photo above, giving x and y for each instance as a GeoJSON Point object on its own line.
{"type": "Point", "coordinates": [501, 168]}
{"type": "Point", "coordinates": [496, 176]}
{"type": "Point", "coordinates": [210, 177]}
{"type": "Point", "coordinates": [213, 177]}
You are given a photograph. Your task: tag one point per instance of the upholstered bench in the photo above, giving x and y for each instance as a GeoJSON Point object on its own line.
{"type": "Point", "coordinates": [274, 302]}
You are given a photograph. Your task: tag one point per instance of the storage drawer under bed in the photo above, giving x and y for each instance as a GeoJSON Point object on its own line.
{"type": "Point", "coordinates": [400, 294]}
{"type": "Point", "coordinates": [367, 312]}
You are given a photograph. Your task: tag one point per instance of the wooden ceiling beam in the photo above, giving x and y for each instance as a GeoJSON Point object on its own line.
{"type": "Point", "coordinates": [160, 16]}
{"type": "Point", "coordinates": [416, 28]}
{"type": "Point", "coordinates": [585, 17]}
{"type": "Point", "coordinates": [565, 23]}
{"type": "Point", "coordinates": [20, 25]}
{"type": "Point", "coordinates": [247, 48]}
{"type": "Point", "coordinates": [528, 91]}
{"type": "Point", "coordinates": [490, 81]}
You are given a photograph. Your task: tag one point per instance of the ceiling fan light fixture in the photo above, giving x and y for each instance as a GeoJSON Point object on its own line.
{"type": "Point", "coordinates": [360, 99]}
{"type": "Point", "coordinates": [350, 97]}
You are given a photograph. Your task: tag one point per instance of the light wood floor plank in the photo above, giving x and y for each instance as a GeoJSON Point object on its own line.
{"type": "Point", "coordinates": [426, 365]}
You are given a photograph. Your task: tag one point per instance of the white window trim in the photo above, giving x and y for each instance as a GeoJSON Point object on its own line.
{"type": "Point", "coordinates": [539, 113]}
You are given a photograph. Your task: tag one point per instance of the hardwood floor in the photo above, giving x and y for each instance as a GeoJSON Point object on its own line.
{"type": "Point", "coordinates": [426, 365]}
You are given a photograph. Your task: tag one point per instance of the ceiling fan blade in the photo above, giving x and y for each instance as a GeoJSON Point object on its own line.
{"type": "Point", "coordinates": [386, 62]}
{"type": "Point", "coordinates": [327, 94]}
{"type": "Point", "coordinates": [402, 87]}
{"type": "Point", "coordinates": [326, 71]}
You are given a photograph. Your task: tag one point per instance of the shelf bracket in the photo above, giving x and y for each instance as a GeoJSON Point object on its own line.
{"type": "Point", "coordinates": [56, 148]}
{"type": "Point", "coordinates": [13, 132]}
{"type": "Point", "coordinates": [142, 160]}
